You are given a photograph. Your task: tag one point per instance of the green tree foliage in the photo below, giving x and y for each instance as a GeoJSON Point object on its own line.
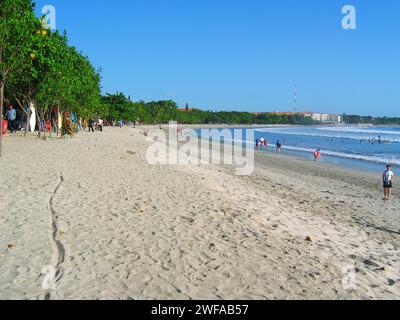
{"type": "Point", "coordinates": [17, 25]}
{"type": "Point", "coordinates": [17, 38]}
{"type": "Point", "coordinates": [162, 111]}
{"type": "Point", "coordinates": [39, 66]}
{"type": "Point", "coordinates": [236, 118]}
{"type": "Point", "coordinates": [119, 107]}
{"type": "Point", "coordinates": [67, 79]}
{"type": "Point", "coordinates": [357, 119]}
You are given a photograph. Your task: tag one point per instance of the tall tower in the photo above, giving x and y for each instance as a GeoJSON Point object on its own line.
{"type": "Point", "coordinates": [295, 98]}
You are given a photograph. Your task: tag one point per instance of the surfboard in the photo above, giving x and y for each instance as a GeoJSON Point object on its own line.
{"type": "Point", "coordinates": [32, 120]}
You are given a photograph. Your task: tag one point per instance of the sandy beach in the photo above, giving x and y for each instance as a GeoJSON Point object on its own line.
{"type": "Point", "coordinates": [117, 228]}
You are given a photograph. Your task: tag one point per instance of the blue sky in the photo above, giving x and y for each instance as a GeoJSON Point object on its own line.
{"type": "Point", "coordinates": [242, 55]}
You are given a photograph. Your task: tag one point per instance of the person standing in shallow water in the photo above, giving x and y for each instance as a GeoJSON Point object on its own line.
{"type": "Point", "coordinates": [388, 178]}
{"type": "Point", "coordinates": [278, 146]}
{"type": "Point", "coordinates": [317, 155]}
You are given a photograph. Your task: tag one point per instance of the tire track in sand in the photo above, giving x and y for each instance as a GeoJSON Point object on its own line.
{"type": "Point", "coordinates": [58, 252]}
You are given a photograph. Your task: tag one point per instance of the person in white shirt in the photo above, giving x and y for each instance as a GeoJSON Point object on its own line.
{"type": "Point", "coordinates": [388, 178]}
{"type": "Point", "coordinates": [100, 125]}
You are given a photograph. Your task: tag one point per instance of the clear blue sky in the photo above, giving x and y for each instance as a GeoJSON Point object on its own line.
{"type": "Point", "coordinates": [242, 55]}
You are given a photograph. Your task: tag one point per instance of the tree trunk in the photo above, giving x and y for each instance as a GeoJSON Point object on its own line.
{"type": "Point", "coordinates": [38, 122]}
{"type": "Point", "coordinates": [58, 121]}
{"type": "Point", "coordinates": [27, 114]}
{"type": "Point", "coordinates": [1, 114]}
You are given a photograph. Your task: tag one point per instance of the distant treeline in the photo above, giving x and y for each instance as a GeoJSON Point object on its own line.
{"type": "Point", "coordinates": [119, 107]}
{"type": "Point", "coordinates": [356, 119]}
{"type": "Point", "coordinates": [210, 117]}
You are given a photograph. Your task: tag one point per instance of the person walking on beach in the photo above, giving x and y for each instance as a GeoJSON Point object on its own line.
{"type": "Point", "coordinates": [100, 125]}
{"type": "Point", "coordinates": [388, 177]}
{"type": "Point", "coordinates": [91, 122]}
{"type": "Point", "coordinates": [80, 125]}
{"type": "Point", "coordinates": [12, 118]}
{"type": "Point", "coordinates": [317, 155]}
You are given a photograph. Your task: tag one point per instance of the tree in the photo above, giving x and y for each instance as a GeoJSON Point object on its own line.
{"type": "Point", "coordinates": [119, 107]}
{"type": "Point", "coordinates": [17, 25]}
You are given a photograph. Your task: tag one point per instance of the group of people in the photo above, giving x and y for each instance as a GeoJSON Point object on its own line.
{"type": "Point", "coordinates": [388, 175]}
{"type": "Point", "coordinates": [99, 125]}
{"type": "Point", "coordinates": [262, 142]}
{"type": "Point", "coordinates": [374, 140]}
{"type": "Point", "coordinates": [70, 125]}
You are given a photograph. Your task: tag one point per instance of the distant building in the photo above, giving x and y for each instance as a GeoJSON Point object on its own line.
{"type": "Point", "coordinates": [317, 116]}
{"type": "Point", "coordinates": [335, 118]}
{"type": "Point", "coordinates": [185, 109]}
{"type": "Point", "coordinates": [285, 113]}
{"type": "Point", "coordinates": [323, 117]}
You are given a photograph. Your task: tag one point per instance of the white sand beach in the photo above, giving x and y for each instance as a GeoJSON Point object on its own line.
{"type": "Point", "coordinates": [118, 228]}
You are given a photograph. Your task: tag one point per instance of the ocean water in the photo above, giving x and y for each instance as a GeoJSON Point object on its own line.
{"type": "Point", "coordinates": [364, 147]}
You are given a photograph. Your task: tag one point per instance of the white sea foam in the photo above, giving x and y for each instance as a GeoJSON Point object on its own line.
{"type": "Point", "coordinates": [384, 159]}
{"type": "Point", "coordinates": [375, 158]}
{"type": "Point", "coordinates": [384, 138]}
{"type": "Point", "coordinates": [372, 158]}
{"type": "Point", "coordinates": [359, 130]}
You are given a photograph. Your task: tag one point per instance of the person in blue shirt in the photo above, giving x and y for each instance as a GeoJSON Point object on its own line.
{"type": "Point", "coordinates": [12, 118]}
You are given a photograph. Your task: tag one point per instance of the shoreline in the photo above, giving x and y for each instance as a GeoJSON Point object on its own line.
{"type": "Point", "coordinates": [134, 231]}
{"type": "Point", "coordinates": [347, 161]}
